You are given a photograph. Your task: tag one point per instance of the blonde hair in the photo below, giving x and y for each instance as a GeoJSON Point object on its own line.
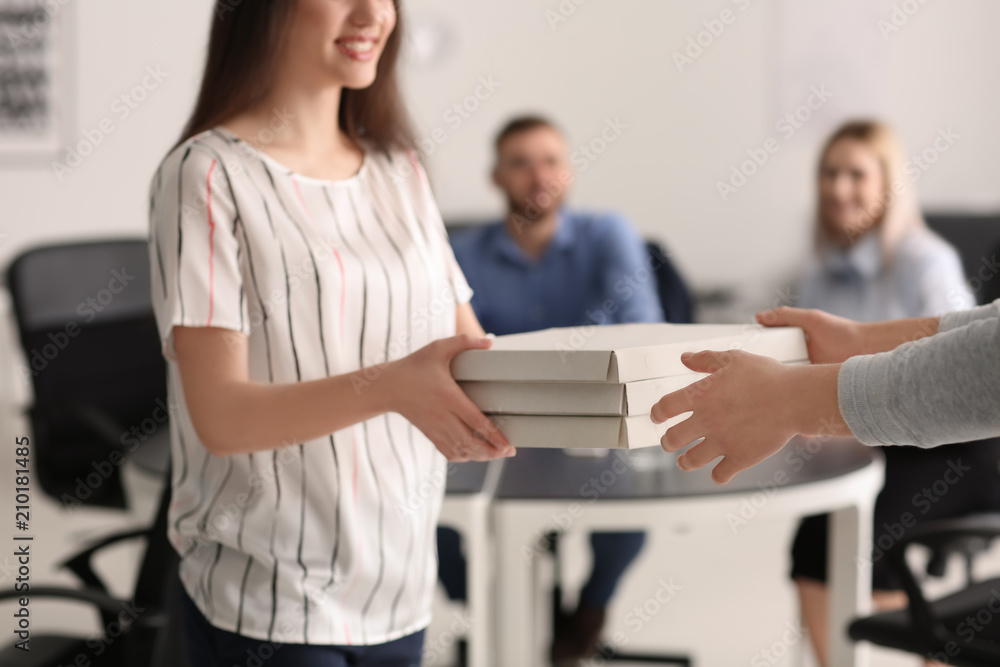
{"type": "Point", "coordinates": [900, 210]}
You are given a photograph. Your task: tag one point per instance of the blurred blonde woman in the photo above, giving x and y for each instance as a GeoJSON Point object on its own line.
{"type": "Point", "coordinates": [877, 260]}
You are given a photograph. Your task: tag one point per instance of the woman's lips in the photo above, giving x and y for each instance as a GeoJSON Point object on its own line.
{"type": "Point", "coordinates": [360, 50]}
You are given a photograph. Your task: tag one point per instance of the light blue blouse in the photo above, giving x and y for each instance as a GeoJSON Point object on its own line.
{"type": "Point", "coordinates": [924, 279]}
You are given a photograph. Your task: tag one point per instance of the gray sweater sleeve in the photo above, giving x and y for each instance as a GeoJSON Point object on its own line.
{"type": "Point", "coordinates": [933, 391]}
{"type": "Point", "coordinates": [960, 318]}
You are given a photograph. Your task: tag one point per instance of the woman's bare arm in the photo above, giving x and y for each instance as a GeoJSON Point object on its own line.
{"type": "Point", "coordinates": [466, 321]}
{"type": "Point", "coordinates": [233, 414]}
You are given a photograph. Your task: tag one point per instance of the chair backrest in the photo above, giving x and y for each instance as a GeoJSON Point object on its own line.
{"type": "Point", "coordinates": [977, 239]}
{"type": "Point", "coordinates": [85, 321]}
{"type": "Point", "coordinates": [675, 298]}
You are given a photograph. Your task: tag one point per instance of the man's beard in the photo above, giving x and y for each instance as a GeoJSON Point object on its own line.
{"type": "Point", "coordinates": [529, 211]}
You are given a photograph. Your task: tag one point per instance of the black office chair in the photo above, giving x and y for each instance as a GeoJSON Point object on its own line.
{"type": "Point", "coordinates": [143, 630]}
{"type": "Point", "coordinates": [977, 239]}
{"type": "Point", "coordinates": [85, 321]}
{"type": "Point", "coordinates": [940, 629]}
{"type": "Point", "coordinates": [675, 297]}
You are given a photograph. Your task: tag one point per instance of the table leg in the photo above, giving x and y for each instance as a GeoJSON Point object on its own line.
{"type": "Point", "coordinates": [515, 638]}
{"type": "Point", "coordinates": [478, 556]}
{"type": "Point", "coordinates": [850, 581]}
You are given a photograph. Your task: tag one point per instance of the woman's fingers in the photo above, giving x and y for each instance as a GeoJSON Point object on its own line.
{"type": "Point", "coordinates": [477, 448]}
{"type": "Point", "coordinates": [480, 424]}
{"type": "Point", "coordinates": [449, 347]}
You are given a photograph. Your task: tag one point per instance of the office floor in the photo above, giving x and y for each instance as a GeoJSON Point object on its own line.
{"type": "Point", "coordinates": [733, 604]}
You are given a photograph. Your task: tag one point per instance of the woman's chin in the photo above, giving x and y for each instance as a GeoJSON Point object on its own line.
{"type": "Point", "coordinates": [357, 80]}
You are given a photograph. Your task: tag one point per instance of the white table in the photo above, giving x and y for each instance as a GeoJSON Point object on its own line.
{"type": "Point", "coordinates": [466, 509]}
{"type": "Point", "coordinates": [842, 477]}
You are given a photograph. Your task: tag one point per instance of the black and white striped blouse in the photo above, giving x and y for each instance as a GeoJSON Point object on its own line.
{"type": "Point", "coordinates": [329, 541]}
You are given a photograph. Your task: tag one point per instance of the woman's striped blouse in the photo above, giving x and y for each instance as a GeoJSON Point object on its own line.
{"type": "Point", "coordinates": [329, 541]}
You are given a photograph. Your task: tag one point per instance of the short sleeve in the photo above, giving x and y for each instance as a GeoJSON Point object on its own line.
{"type": "Point", "coordinates": [424, 200]}
{"type": "Point", "coordinates": [195, 255]}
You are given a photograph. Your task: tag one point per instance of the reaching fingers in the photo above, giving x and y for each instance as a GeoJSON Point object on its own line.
{"type": "Point", "coordinates": [784, 316]}
{"type": "Point", "coordinates": [700, 455]}
{"type": "Point", "coordinates": [707, 361]}
{"type": "Point", "coordinates": [681, 435]}
{"type": "Point", "coordinates": [724, 472]}
{"type": "Point", "coordinates": [675, 403]}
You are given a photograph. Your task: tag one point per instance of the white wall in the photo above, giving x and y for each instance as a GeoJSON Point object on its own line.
{"type": "Point", "coordinates": [608, 60]}
{"type": "Point", "coordinates": [686, 129]}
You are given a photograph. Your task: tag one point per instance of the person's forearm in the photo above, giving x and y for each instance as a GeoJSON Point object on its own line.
{"type": "Point", "coordinates": [810, 401]}
{"type": "Point", "coordinates": [252, 416]}
{"type": "Point", "coordinates": [884, 336]}
{"type": "Point", "coordinates": [939, 390]}
{"type": "Point", "coordinates": [466, 321]}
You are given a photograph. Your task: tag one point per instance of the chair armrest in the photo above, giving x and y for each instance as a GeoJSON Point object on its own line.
{"type": "Point", "coordinates": [106, 604]}
{"type": "Point", "coordinates": [941, 534]}
{"type": "Point", "coordinates": [936, 535]}
{"type": "Point", "coordinates": [80, 563]}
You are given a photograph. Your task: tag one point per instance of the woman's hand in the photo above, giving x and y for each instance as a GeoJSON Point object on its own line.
{"type": "Point", "coordinates": [747, 409]}
{"type": "Point", "coordinates": [830, 339]}
{"type": "Point", "coordinates": [424, 392]}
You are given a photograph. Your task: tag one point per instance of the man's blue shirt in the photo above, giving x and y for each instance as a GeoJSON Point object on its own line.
{"type": "Point", "coordinates": [596, 270]}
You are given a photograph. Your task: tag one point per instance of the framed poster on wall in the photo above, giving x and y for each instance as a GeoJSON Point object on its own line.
{"type": "Point", "coordinates": [36, 45]}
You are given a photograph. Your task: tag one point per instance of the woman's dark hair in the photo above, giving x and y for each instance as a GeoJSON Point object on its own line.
{"type": "Point", "coordinates": [244, 47]}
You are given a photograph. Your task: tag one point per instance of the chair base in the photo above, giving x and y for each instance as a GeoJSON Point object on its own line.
{"type": "Point", "coordinates": [895, 629]}
{"type": "Point", "coordinates": [46, 651]}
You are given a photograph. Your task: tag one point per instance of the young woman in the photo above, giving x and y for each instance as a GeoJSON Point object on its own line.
{"type": "Point", "coordinates": [308, 304]}
{"type": "Point", "coordinates": [925, 381]}
{"type": "Point", "coordinates": [877, 260]}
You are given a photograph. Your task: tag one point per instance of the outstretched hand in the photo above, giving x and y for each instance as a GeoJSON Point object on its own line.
{"type": "Point", "coordinates": [829, 338]}
{"type": "Point", "coordinates": [745, 411]}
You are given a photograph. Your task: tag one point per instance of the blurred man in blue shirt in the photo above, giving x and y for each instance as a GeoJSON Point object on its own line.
{"type": "Point", "coordinates": [546, 266]}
